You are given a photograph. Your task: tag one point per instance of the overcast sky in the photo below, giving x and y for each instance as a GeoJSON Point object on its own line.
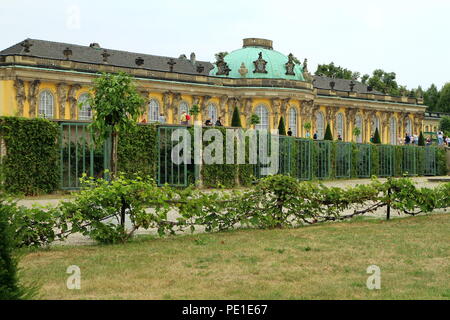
{"type": "Point", "coordinates": [410, 38]}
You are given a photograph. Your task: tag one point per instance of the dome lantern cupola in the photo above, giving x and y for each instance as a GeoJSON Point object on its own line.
{"type": "Point", "coordinates": [258, 43]}
{"type": "Point", "coordinates": [257, 60]}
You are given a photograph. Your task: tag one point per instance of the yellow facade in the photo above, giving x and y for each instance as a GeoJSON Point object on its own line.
{"type": "Point", "coordinates": [23, 82]}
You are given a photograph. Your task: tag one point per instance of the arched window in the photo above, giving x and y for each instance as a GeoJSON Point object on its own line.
{"type": "Point", "coordinates": [340, 125]}
{"type": "Point", "coordinates": [212, 113]}
{"type": "Point", "coordinates": [393, 131]}
{"type": "Point", "coordinates": [320, 125]}
{"type": "Point", "coordinates": [359, 124]}
{"type": "Point", "coordinates": [408, 126]}
{"type": "Point", "coordinates": [263, 114]}
{"type": "Point", "coordinates": [85, 112]}
{"type": "Point", "coordinates": [293, 121]}
{"type": "Point", "coordinates": [184, 107]}
{"type": "Point", "coordinates": [153, 111]}
{"type": "Point", "coordinates": [46, 105]}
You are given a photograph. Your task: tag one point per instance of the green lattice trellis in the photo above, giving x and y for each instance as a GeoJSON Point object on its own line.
{"type": "Point", "coordinates": [363, 160]}
{"type": "Point", "coordinates": [168, 172]}
{"type": "Point", "coordinates": [79, 155]}
{"type": "Point", "coordinates": [323, 159]}
{"type": "Point", "coordinates": [386, 160]}
{"type": "Point", "coordinates": [343, 160]}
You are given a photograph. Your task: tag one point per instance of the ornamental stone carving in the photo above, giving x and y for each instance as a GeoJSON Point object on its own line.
{"type": "Point", "coordinates": [223, 106]}
{"type": "Point", "coordinates": [33, 96]}
{"type": "Point", "coordinates": [222, 66]}
{"type": "Point", "coordinates": [21, 96]}
{"type": "Point", "coordinates": [176, 99]}
{"type": "Point", "coordinates": [290, 65]}
{"type": "Point", "coordinates": [73, 100]}
{"type": "Point", "coordinates": [260, 64]}
{"type": "Point", "coordinates": [204, 108]}
{"type": "Point", "coordinates": [62, 90]}
{"type": "Point", "coordinates": [166, 103]}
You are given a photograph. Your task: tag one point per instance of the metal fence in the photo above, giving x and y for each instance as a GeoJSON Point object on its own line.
{"type": "Point", "coordinates": [363, 160]}
{"type": "Point", "coordinates": [79, 155]}
{"type": "Point", "coordinates": [168, 172]}
{"type": "Point", "coordinates": [386, 160]}
{"type": "Point", "coordinates": [303, 159]}
{"type": "Point", "coordinates": [343, 160]}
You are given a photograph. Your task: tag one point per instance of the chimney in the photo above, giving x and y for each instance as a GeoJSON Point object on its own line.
{"type": "Point", "coordinates": [193, 60]}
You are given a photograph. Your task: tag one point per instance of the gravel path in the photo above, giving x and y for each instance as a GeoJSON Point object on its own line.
{"type": "Point", "coordinates": [78, 239]}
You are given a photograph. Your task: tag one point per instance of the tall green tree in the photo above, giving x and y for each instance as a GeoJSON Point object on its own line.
{"type": "Point", "coordinates": [431, 97]}
{"type": "Point", "coordinates": [236, 119]}
{"type": "Point", "coordinates": [328, 134]}
{"type": "Point", "coordinates": [443, 104]}
{"type": "Point", "coordinates": [10, 286]}
{"type": "Point", "coordinates": [116, 106]}
{"type": "Point", "coordinates": [421, 140]}
{"type": "Point", "coordinates": [333, 71]}
{"type": "Point", "coordinates": [281, 127]}
{"type": "Point", "coordinates": [376, 137]}
{"type": "Point", "coordinates": [384, 82]}
{"type": "Point", "coordinates": [444, 124]}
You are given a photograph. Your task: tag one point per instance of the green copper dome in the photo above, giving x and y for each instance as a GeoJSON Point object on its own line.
{"type": "Point", "coordinates": [257, 60]}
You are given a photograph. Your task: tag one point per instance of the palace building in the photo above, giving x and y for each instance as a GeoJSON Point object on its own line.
{"type": "Point", "coordinates": [49, 79]}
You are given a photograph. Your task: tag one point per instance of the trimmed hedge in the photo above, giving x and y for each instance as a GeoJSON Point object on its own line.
{"type": "Point", "coordinates": [137, 151]}
{"type": "Point", "coordinates": [30, 163]}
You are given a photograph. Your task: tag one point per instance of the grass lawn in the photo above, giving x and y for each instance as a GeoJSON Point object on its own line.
{"type": "Point", "coordinates": [320, 262]}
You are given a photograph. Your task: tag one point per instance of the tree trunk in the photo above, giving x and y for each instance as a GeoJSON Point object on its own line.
{"type": "Point", "coordinates": [114, 143]}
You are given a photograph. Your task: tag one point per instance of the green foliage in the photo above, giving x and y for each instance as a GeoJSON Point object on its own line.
{"type": "Point", "coordinates": [236, 119]}
{"type": "Point", "coordinates": [195, 110]}
{"type": "Point", "coordinates": [431, 98]}
{"type": "Point", "coordinates": [254, 119]}
{"type": "Point", "coordinates": [333, 71]}
{"type": "Point", "coordinates": [421, 141]}
{"type": "Point", "coordinates": [137, 151]}
{"type": "Point", "coordinates": [384, 82]}
{"type": "Point", "coordinates": [10, 288]}
{"type": "Point", "coordinates": [444, 125]}
{"type": "Point", "coordinates": [307, 126]}
{"type": "Point", "coordinates": [281, 127]}
{"type": "Point", "coordinates": [376, 137]}
{"type": "Point", "coordinates": [328, 135]}
{"type": "Point", "coordinates": [116, 107]}
{"type": "Point", "coordinates": [356, 132]}
{"type": "Point", "coordinates": [443, 104]}
{"type": "Point", "coordinates": [102, 208]}
{"type": "Point", "coordinates": [31, 163]}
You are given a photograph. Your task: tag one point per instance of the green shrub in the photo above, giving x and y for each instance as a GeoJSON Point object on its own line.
{"type": "Point", "coordinates": [236, 119]}
{"type": "Point", "coordinates": [137, 151]}
{"type": "Point", "coordinates": [328, 134]}
{"type": "Point", "coordinates": [376, 137]}
{"type": "Point", "coordinates": [10, 288]}
{"type": "Point", "coordinates": [281, 127]}
{"type": "Point", "coordinates": [31, 163]}
{"type": "Point", "coordinates": [102, 208]}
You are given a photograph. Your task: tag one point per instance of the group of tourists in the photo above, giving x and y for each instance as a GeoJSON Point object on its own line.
{"type": "Point", "coordinates": [442, 140]}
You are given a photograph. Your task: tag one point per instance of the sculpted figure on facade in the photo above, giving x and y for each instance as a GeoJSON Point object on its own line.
{"type": "Point", "coordinates": [176, 99]}
{"type": "Point", "coordinates": [166, 104]}
{"type": "Point", "coordinates": [73, 100]}
{"type": "Point", "coordinates": [223, 107]}
{"type": "Point", "coordinates": [33, 91]}
{"type": "Point", "coordinates": [21, 96]}
{"type": "Point", "coordinates": [276, 106]}
{"type": "Point", "coordinates": [62, 90]}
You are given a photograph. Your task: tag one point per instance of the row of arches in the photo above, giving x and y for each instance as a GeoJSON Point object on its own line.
{"type": "Point", "coordinates": [46, 109]}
